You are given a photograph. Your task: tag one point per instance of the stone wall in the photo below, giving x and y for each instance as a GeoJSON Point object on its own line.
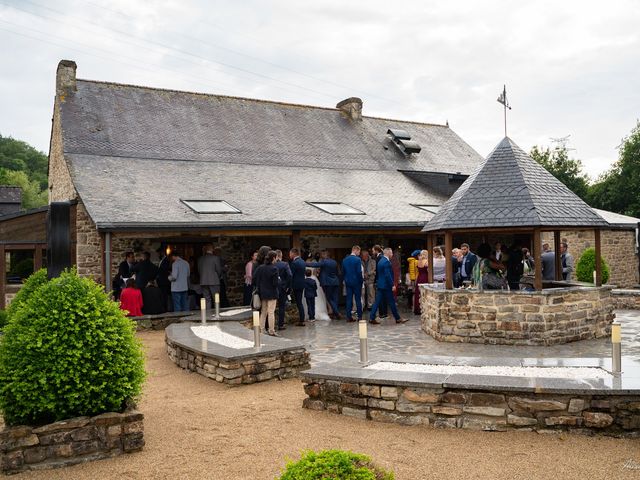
{"type": "Point", "coordinates": [60, 185]}
{"type": "Point", "coordinates": [477, 409]}
{"type": "Point", "coordinates": [618, 250]}
{"type": "Point", "coordinates": [89, 257]}
{"type": "Point", "coordinates": [72, 441]}
{"type": "Point", "coordinates": [285, 364]}
{"type": "Point", "coordinates": [517, 318]}
{"type": "Point", "coordinates": [626, 299]}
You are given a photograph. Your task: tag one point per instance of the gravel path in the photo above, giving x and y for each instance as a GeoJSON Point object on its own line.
{"type": "Point", "coordinates": [198, 429]}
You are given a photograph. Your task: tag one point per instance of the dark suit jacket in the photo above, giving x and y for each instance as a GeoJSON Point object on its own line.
{"type": "Point", "coordinates": [468, 266]}
{"type": "Point", "coordinates": [162, 277]}
{"type": "Point", "coordinates": [385, 274]}
{"type": "Point", "coordinates": [328, 272]}
{"type": "Point", "coordinates": [124, 270]}
{"type": "Point", "coordinates": [285, 275]}
{"type": "Point", "coordinates": [153, 301]}
{"type": "Point", "coordinates": [310, 288]}
{"type": "Point", "coordinates": [298, 268]}
{"type": "Point", "coordinates": [145, 272]}
{"type": "Point", "coordinates": [352, 271]}
{"type": "Point", "coordinates": [266, 280]}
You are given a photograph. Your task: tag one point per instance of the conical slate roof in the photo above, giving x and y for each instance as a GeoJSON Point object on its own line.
{"type": "Point", "coordinates": [510, 189]}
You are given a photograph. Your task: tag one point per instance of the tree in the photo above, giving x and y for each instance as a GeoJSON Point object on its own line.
{"type": "Point", "coordinates": [32, 196]}
{"type": "Point", "coordinates": [19, 156]}
{"type": "Point", "coordinates": [618, 189]}
{"type": "Point", "coordinates": [568, 170]}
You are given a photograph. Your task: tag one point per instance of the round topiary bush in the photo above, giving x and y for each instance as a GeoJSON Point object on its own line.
{"type": "Point", "coordinates": [587, 265]}
{"type": "Point", "coordinates": [67, 351]}
{"type": "Point", "coordinates": [34, 282]}
{"type": "Point", "coordinates": [334, 464]}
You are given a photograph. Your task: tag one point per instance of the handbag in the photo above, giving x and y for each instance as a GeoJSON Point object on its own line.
{"type": "Point", "coordinates": [256, 303]}
{"type": "Point", "coordinates": [492, 281]}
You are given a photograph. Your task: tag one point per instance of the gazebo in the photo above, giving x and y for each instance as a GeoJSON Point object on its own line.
{"type": "Point", "coordinates": [510, 193]}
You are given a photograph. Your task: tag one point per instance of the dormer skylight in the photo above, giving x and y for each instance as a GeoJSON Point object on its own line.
{"type": "Point", "coordinates": [427, 208]}
{"type": "Point", "coordinates": [210, 206]}
{"type": "Point", "coordinates": [336, 208]}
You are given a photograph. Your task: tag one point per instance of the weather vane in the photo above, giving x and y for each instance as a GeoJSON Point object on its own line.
{"type": "Point", "coordinates": [503, 100]}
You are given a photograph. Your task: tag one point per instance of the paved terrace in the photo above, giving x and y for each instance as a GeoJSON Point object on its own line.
{"type": "Point", "coordinates": [337, 341]}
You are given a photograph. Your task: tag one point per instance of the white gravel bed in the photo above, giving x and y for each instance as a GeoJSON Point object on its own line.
{"type": "Point", "coordinates": [503, 371]}
{"type": "Point", "coordinates": [235, 311]}
{"type": "Point", "coordinates": [212, 333]}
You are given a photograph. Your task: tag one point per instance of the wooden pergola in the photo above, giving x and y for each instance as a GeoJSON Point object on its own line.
{"type": "Point", "coordinates": [510, 193]}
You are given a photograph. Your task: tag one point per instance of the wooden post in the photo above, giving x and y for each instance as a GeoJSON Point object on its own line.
{"type": "Point", "coordinates": [558, 255]}
{"type": "Point", "coordinates": [430, 259]}
{"type": "Point", "coordinates": [448, 246]}
{"type": "Point", "coordinates": [295, 240]}
{"type": "Point", "coordinates": [537, 258]}
{"type": "Point", "coordinates": [598, 246]}
{"type": "Point", "coordinates": [3, 276]}
{"type": "Point", "coordinates": [37, 258]}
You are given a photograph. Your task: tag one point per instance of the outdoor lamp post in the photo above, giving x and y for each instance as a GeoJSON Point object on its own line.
{"type": "Point", "coordinates": [203, 310]}
{"type": "Point", "coordinates": [616, 351]}
{"type": "Point", "coordinates": [362, 333]}
{"type": "Point", "coordinates": [256, 329]}
{"type": "Point", "coordinates": [217, 299]}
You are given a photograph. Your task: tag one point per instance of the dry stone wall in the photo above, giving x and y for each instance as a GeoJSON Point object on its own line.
{"type": "Point", "coordinates": [477, 409]}
{"type": "Point", "coordinates": [72, 441]}
{"type": "Point", "coordinates": [517, 318]}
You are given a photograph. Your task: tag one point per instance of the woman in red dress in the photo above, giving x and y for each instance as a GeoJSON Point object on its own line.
{"type": "Point", "coordinates": [131, 299]}
{"type": "Point", "coordinates": [423, 277]}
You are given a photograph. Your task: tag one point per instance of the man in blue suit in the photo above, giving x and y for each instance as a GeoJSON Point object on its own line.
{"type": "Point", "coordinates": [469, 259]}
{"type": "Point", "coordinates": [386, 287]}
{"type": "Point", "coordinates": [284, 284]}
{"type": "Point", "coordinates": [298, 268]}
{"type": "Point", "coordinates": [329, 281]}
{"type": "Point", "coordinates": [352, 272]}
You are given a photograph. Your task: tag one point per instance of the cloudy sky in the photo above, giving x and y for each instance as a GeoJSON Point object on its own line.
{"type": "Point", "coordinates": [572, 68]}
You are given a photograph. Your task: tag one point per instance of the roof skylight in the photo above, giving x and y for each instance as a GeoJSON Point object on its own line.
{"type": "Point", "coordinates": [428, 208]}
{"type": "Point", "coordinates": [210, 206]}
{"type": "Point", "coordinates": [336, 208]}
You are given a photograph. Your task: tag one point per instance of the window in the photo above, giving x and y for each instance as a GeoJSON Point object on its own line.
{"type": "Point", "coordinates": [428, 208]}
{"type": "Point", "coordinates": [336, 208]}
{"type": "Point", "coordinates": [210, 206]}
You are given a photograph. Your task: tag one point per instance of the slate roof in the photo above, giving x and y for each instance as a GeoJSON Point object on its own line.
{"type": "Point", "coordinates": [617, 219]}
{"type": "Point", "coordinates": [134, 152]}
{"type": "Point", "coordinates": [510, 189]}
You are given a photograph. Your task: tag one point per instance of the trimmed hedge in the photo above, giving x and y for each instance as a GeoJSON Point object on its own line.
{"type": "Point", "coordinates": [34, 282]}
{"type": "Point", "coordinates": [334, 464]}
{"type": "Point", "coordinates": [587, 264]}
{"type": "Point", "coordinates": [67, 351]}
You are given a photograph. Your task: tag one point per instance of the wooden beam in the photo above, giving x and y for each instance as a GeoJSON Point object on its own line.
{"type": "Point", "coordinates": [558, 256]}
{"type": "Point", "coordinates": [448, 246]}
{"type": "Point", "coordinates": [3, 276]}
{"type": "Point", "coordinates": [295, 239]}
{"type": "Point", "coordinates": [537, 258]}
{"type": "Point", "coordinates": [430, 259]}
{"type": "Point", "coordinates": [598, 246]}
{"type": "Point", "coordinates": [37, 258]}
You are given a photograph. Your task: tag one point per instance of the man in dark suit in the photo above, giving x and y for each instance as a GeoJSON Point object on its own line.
{"type": "Point", "coordinates": [284, 284]}
{"type": "Point", "coordinates": [352, 271]}
{"type": "Point", "coordinates": [386, 287]}
{"type": "Point", "coordinates": [329, 281]}
{"type": "Point", "coordinates": [124, 272]}
{"type": "Point", "coordinates": [377, 255]}
{"type": "Point", "coordinates": [469, 259]}
{"type": "Point", "coordinates": [298, 268]}
{"type": "Point", "coordinates": [145, 271]}
{"type": "Point", "coordinates": [162, 279]}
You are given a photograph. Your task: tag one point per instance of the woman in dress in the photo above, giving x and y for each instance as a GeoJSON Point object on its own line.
{"type": "Point", "coordinates": [266, 280]}
{"type": "Point", "coordinates": [131, 299]}
{"type": "Point", "coordinates": [322, 312]}
{"type": "Point", "coordinates": [439, 265]}
{"type": "Point", "coordinates": [423, 277]}
{"type": "Point", "coordinates": [248, 274]}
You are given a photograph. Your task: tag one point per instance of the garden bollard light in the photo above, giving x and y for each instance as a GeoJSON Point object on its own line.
{"type": "Point", "coordinates": [217, 298]}
{"type": "Point", "coordinates": [616, 351]}
{"type": "Point", "coordinates": [256, 329]}
{"type": "Point", "coordinates": [362, 333]}
{"type": "Point", "coordinates": [203, 310]}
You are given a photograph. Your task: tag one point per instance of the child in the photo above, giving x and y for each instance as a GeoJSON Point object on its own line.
{"type": "Point", "coordinates": [310, 294]}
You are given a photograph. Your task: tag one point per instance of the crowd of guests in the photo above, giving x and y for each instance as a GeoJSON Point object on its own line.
{"type": "Point", "coordinates": [368, 279]}
{"type": "Point", "coordinates": [175, 284]}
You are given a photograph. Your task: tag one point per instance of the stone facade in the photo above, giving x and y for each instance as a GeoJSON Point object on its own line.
{"type": "Point", "coordinates": [517, 318]}
{"type": "Point", "coordinates": [618, 248]}
{"type": "Point", "coordinates": [477, 409]}
{"type": "Point", "coordinates": [285, 364]}
{"type": "Point", "coordinates": [72, 441]}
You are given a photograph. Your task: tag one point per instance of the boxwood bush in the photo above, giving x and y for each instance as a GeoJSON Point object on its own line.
{"type": "Point", "coordinates": [34, 282]}
{"type": "Point", "coordinates": [67, 351]}
{"type": "Point", "coordinates": [334, 464]}
{"type": "Point", "coordinates": [587, 265]}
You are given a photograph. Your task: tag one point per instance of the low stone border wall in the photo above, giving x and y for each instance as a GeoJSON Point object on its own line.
{"type": "Point", "coordinates": [163, 320]}
{"type": "Point", "coordinates": [277, 357]}
{"type": "Point", "coordinates": [603, 406]}
{"type": "Point", "coordinates": [72, 441]}
{"type": "Point", "coordinates": [626, 299]}
{"type": "Point", "coordinates": [552, 316]}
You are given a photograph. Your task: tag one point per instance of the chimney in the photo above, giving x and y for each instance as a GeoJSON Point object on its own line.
{"type": "Point", "coordinates": [66, 77]}
{"type": "Point", "coordinates": [352, 107]}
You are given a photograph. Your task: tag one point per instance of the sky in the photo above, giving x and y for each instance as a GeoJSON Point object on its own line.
{"type": "Point", "coordinates": [571, 68]}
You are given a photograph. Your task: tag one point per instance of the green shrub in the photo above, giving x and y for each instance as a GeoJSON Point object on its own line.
{"type": "Point", "coordinates": [334, 464]}
{"type": "Point", "coordinates": [34, 282]}
{"type": "Point", "coordinates": [23, 268]}
{"type": "Point", "coordinates": [3, 318]}
{"type": "Point", "coordinates": [587, 265]}
{"type": "Point", "coordinates": [67, 351]}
